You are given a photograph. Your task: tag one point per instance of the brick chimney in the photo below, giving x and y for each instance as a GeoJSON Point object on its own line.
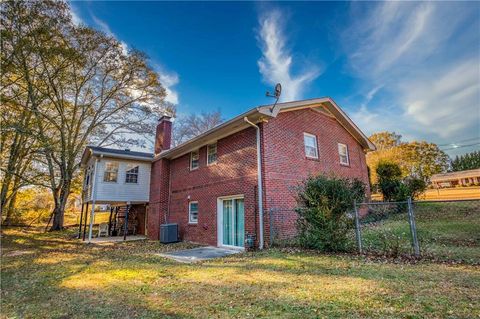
{"type": "Point", "coordinates": [163, 136]}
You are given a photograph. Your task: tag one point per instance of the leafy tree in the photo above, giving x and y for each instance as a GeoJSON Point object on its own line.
{"type": "Point", "coordinates": [465, 162]}
{"type": "Point", "coordinates": [80, 87]}
{"type": "Point", "coordinates": [422, 159]}
{"type": "Point", "coordinates": [415, 186]}
{"type": "Point", "coordinates": [395, 188]}
{"type": "Point", "coordinates": [323, 204]}
{"type": "Point", "coordinates": [385, 140]}
{"type": "Point", "coordinates": [187, 127]}
{"type": "Point", "coordinates": [389, 180]}
{"type": "Point", "coordinates": [416, 159]}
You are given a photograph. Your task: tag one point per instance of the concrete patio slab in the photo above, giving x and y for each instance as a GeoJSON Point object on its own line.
{"type": "Point", "coordinates": [199, 254]}
{"type": "Point", "coordinates": [114, 239]}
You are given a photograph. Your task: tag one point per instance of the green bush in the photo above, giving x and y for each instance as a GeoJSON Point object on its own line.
{"type": "Point", "coordinates": [323, 206]}
{"type": "Point", "coordinates": [391, 185]}
{"type": "Point", "coordinates": [389, 180]}
{"type": "Point", "coordinates": [415, 186]}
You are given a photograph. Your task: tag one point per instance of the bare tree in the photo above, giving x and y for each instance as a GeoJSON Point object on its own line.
{"type": "Point", "coordinates": [81, 88]}
{"type": "Point", "coordinates": [187, 127]}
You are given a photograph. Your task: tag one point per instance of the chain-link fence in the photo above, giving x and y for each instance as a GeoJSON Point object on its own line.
{"type": "Point", "coordinates": [443, 230]}
{"type": "Point", "coordinates": [386, 228]}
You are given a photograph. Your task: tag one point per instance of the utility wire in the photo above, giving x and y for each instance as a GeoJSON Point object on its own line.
{"type": "Point", "coordinates": [467, 140]}
{"type": "Point", "coordinates": [461, 146]}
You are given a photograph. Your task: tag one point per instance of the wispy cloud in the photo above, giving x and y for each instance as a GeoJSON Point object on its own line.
{"type": "Point", "coordinates": [168, 78]}
{"type": "Point", "coordinates": [106, 29]}
{"type": "Point", "coordinates": [76, 18]}
{"type": "Point", "coordinates": [276, 62]}
{"type": "Point", "coordinates": [418, 53]}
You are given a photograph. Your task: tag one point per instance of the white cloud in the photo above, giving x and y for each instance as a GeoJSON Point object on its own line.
{"type": "Point", "coordinates": [452, 98]}
{"type": "Point", "coordinates": [276, 62]}
{"type": "Point", "coordinates": [169, 80]}
{"type": "Point", "coordinates": [76, 19]}
{"type": "Point", "coordinates": [422, 55]}
{"type": "Point", "coordinates": [106, 29]}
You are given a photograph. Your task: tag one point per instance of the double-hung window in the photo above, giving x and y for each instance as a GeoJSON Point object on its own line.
{"type": "Point", "coordinates": [311, 148]}
{"type": "Point", "coordinates": [211, 154]}
{"type": "Point", "coordinates": [111, 172]}
{"type": "Point", "coordinates": [343, 153]}
{"type": "Point", "coordinates": [194, 160]}
{"type": "Point", "coordinates": [193, 212]}
{"type": "Point", "coordinates": [132, 174]}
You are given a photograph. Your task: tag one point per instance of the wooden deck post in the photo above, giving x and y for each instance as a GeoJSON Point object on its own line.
{"type": "Point", "coordinates": [125, 230]}
{"type": "Point", "coordinates": [80, 223]}
{"type": "Point", "coordinates": [110, 221]}
{"type": "Point", "coordinates": [85, 223]}
{"type": "Point", "coordinates": [92, 217]}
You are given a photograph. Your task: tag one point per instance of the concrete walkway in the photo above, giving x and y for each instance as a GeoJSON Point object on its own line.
{"type": "Point", "coordinates": [199, 254]}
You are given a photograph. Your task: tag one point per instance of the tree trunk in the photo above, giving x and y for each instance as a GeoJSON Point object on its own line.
{"type": "Point", "coordinates": [60, 204]}
{"type": "Point", "coordinates": [10, 209]}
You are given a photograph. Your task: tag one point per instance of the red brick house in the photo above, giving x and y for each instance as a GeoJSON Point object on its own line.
{"type": "Point", "coordinates": [220, 185]}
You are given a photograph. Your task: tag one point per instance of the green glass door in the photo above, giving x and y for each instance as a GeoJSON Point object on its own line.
{"type": "Point", "coordinates": [233, 222]}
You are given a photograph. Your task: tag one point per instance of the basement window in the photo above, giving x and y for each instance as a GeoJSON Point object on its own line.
{"type": "Point", "coordinates": [343, 153]}
{"type": "Point", "coordinates": [194, 160]}
{"type": "Point", "coordinates": [211, 154]}
{"type": "Point", "coordinates": [132, 174]}
{"type": "Point", "coordinates": [193, 212]}
{"type": "Point", "coordinates": [311, 148]}
{"type": "Point", "coordinates": [111, 172]}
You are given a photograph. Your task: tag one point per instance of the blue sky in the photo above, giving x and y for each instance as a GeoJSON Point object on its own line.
{"type": "Point", "coordinates": [411, 67]}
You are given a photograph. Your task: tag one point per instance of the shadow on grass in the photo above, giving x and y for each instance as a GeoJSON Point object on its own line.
{"type": "Point", "coordinates": [66, 279]}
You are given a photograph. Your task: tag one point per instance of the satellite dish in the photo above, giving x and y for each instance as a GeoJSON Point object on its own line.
{"type": "Point", "coordinates": [278, 90]}
{"type": "Point", "coordinates": [276, 95]}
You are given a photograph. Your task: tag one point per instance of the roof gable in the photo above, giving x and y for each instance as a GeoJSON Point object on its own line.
{"type": "Point", "coordinates": [325, 105]}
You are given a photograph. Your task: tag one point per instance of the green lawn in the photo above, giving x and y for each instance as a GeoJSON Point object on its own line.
{"type": "Point", "coordinates": [52, 276]}
{"type": "Point", "coordinates": [446, 231]}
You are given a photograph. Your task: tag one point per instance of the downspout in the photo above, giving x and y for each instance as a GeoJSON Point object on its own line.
{"type": "Point", "coordinates": [94, 182]}
{"type": "Point", "coordinates": [260, 182]}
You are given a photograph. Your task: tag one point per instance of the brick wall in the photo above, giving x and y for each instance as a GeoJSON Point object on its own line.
{"type": "Point", "coordinates": [233, 174]}
{"type": "Point", "coordinates": [285, 163]}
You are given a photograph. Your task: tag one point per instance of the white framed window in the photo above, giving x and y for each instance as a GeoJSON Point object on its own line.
{"type": "Point", "coordinates": [343, 153]}
{"type": "Point", "coordinates": [131, 176]}
{"type": "Point", "coordinates": [111, 172]}
{"type": "Point", "coordinates": [211, 154]}
{"type": "Point", "coordinates": [311, 148]}
{"type": "Point", "coordinates": [194, 160]}
{"type": "Point", "coordinates": [193, 212]}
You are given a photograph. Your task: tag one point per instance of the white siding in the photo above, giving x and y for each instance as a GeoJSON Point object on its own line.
{"type": "Point", "coordinates": [121, 191]}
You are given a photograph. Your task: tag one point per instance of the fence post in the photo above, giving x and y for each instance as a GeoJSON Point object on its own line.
{"type": "Point", "coordinates": [358, 235]}
{"type": "Point", "coordinates": [413, 228]}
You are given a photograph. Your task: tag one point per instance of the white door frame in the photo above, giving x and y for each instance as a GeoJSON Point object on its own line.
{"type": "Point", "coordinates": [220, 220]}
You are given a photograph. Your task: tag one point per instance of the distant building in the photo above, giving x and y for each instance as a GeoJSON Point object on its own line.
{"type": "Point", "coordinates": [452, 179]}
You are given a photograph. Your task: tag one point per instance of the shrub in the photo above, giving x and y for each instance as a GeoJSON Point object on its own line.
{"type": "Point", "coordinates": [323, 206]}
{"type": "Point", "coordinates": [391, 185]}
{"type": "Point", "coordinates": [389, 180]}
{"type": "Point", "coordinates": [416, 186]}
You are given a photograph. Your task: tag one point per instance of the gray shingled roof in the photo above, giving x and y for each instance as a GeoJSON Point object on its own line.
{"type": "Point", "coordinates": [456, 175]}
{"type": "Point", "coordinates": [120, 152]}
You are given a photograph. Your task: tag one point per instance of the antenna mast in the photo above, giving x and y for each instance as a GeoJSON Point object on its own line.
{"type": "Point", "coordinates": [275, 95]}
